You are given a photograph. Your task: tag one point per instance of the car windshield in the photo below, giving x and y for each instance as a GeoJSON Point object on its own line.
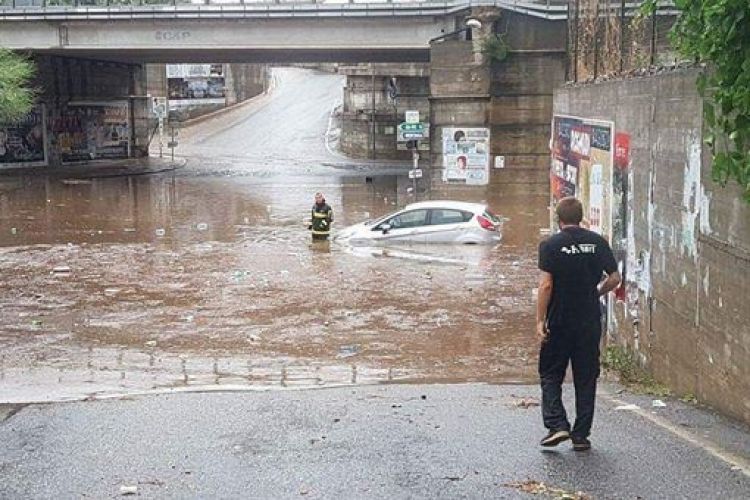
{"type": "Point", "coordinates": [412, 218]}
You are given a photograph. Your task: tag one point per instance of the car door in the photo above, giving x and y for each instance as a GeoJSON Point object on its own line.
{"type": "Point", "coordinates": [446, 225]}
{"type": "Point", "coordinates": [401, 228]}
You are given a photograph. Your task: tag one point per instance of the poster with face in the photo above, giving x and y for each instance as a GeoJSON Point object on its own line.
{"type": "Point", "coordinates": [24, 143]}
{"type": "Point", "coordinates": [466, 155]}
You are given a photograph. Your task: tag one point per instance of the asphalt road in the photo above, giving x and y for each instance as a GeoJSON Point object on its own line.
{"type": "Point", "coordinates": [387, 441]}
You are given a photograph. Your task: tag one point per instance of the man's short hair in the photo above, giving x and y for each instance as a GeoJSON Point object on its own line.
{"type": "Point", "coordinates": [569, 210]}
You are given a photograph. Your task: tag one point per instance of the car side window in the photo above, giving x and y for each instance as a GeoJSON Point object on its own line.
{"type": "Point", "coordinates": [413, 218]}
{"type": "Point", "coordinates": [448, 216]}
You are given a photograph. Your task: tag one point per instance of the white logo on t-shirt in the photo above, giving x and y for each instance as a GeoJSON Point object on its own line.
{"type": "Point", "coordinates": [579, 249]}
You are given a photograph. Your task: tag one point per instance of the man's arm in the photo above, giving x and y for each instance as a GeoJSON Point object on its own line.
{"type": "Point", "coordinates": [543, 297]}
{"type": "Point", "coordinates": [610, 283]}
{"type": "Point", "coordinates": [609, 266]}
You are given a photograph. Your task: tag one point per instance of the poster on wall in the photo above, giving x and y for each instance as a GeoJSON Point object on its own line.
{"type": "Point", "coordinates": [581, 165]}
{"type": "Point", "coordinates": [466, 155]}
{"type": "Point", "coordinates": [24, 143]}
{"type": "Point", "coordinates": [620, 192]}
{"type": "Point", "coordinates": [93, 130]}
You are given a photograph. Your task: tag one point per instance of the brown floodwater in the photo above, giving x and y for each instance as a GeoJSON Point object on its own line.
{"type": "Point", "coordinates": [206, 277]}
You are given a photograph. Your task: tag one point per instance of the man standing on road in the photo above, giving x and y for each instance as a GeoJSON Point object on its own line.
{"type": "Point", "coordinates": [321, 219]}
{"type": "Point", "coordinates": [573, 264]}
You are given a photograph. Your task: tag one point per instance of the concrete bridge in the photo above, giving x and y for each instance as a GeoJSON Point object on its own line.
{"type": "Point", "coordinates": [244, 32]}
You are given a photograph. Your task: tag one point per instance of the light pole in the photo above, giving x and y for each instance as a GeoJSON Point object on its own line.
{"type": "Point", "coordinates": [471, 23]}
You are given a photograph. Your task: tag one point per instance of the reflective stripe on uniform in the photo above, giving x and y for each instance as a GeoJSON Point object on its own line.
{"type": "Point", "coordinates": [319, 215]}
{"type": "Point", "coordinates": [321, 232]}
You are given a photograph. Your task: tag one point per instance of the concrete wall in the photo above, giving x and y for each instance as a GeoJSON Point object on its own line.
{"type": "Point", "coordinates": [362, 119]}
{"type": "Point", "coordinates": [522, 88]}
{"type": "Point", "coordinates": [512, 97]}
{"type": "Point", "coordinates": [244, 81]}
{"type": "Point", "coordinates": [688, 268]}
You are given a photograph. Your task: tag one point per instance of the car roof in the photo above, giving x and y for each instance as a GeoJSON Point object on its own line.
{"type": "Point", "coordinates": [456, 205]}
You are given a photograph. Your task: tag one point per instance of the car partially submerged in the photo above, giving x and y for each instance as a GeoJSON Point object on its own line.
{"type": "Point", "coordinates": [428, 222]}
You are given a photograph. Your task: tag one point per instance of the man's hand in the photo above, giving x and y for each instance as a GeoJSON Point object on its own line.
{"type": "Point", "coordinates": [610, 283]}
{"type": "Point", "coordinates": [541, 331]}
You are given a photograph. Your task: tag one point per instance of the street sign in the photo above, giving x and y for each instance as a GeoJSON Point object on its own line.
{"type": "Point", "coordinates": [411, 131]}
{"type": "Point", "coordinates": [415, 173]}
{"type": "Point", "coordinates": [411, 117]}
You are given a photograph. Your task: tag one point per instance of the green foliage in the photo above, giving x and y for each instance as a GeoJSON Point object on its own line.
{"type": "Point", "coordinates": [621, 361]}
{"type": "Point", "coordinates": [16, 97]}
{"type": "Point", "coordinates": [495, 47]}
{"type": "Point", "coordinates": [718, 32]}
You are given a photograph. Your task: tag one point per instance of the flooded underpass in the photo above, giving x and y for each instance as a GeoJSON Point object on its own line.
{"type": "Point", "coordinates": [205, 277]}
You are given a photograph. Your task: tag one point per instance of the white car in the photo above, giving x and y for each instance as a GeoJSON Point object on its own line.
{"type": "Point", "coordinates": [428, 222]}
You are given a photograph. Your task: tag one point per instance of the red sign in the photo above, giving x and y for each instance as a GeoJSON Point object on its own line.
{"type": "Point", "coordinates": [622, 150]}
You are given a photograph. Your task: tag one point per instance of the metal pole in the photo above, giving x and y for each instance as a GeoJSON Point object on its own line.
{"type": "Point", "coordinates": [622, 35]}
{"type": "Point", "coordinates": [567, 46]}
{"type": "Point", "coordinates": [596, 41]}
{"type": "Point", "coordinates": [653, 38]}
{"type": "Point", "coordinates": [372, 113]}
{"type": "Point", "coordinates": [575, 44]}
{"type": "Point", "coordinates": [415, 157]}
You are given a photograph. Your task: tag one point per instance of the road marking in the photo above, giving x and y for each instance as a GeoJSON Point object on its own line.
{"type": "Point", "coordinates": [737, 462]}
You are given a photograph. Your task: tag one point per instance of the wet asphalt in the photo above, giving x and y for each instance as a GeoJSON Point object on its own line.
{"type": "Point", "coordinates": [392, 441]}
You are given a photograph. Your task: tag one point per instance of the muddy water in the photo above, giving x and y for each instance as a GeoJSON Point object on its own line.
{"type": "Point", "coordinates": [207, 278]}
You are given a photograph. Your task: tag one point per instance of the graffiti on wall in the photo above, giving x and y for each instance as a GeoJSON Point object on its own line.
{"type": "Point", "coordinates": [466, 155]}
{"type": "Point", "coordinates": [24, 142]}
{"type": "Point", "coordinates": [88, 131]}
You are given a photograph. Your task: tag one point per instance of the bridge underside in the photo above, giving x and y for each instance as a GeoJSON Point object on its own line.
{"type": "Point", "coordinates": [242, 41]}
{"type": "Point", "coordinates": [244, 55]}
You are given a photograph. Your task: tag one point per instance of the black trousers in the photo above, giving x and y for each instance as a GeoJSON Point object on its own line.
{"type": "Point", "coordinates": [580, 347]}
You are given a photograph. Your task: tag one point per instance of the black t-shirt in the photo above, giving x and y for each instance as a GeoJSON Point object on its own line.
{"type": "Point", "coordinates": [576, 258]}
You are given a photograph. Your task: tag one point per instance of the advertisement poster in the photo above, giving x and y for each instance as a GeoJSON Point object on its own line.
{"type": "Point", "coordinates": [581, 165]}
{"type": "Point", "coordinates": [620, 192]}
{"type": "Point", "coordinates": [466, 155]}
{"type": "Point", "coordinates": [24, 142]}
{"type": "Point", "coordinates": [93, 130]}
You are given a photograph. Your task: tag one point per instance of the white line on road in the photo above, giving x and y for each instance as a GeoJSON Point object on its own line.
{"type": "Point", "coordinates": [736, 461]}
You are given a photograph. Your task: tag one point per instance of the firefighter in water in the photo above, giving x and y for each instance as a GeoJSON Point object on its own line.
{"type": "Point", "coordinates": [321, 219]}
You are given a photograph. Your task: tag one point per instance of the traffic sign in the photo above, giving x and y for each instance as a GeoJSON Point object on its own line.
{"type": "Point", "coordinates": [415, 173]}
{"type": "Point", "coordinates": [411, 131]}
{"type": "Point", "coordinates": [411, 117]}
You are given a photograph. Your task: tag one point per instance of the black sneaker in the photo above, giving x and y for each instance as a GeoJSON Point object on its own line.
{"type": "Point", "coordinates": [580, 444]}
{"type": "Point", "coordinates": [554, 438]}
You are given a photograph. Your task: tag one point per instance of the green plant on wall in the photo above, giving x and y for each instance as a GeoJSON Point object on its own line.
{"type": "Point", "coordinates": [495, 47]}
{"type": "Point", "coordinates": [16, 97]}
{"type": "Point", "coordinates": [717, 32]}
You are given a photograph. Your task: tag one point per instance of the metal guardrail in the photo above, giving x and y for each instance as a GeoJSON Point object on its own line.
{"type": "Point", "coordinates": [34, 10]}
{"type": "Point", "coordinates": [15, 10]}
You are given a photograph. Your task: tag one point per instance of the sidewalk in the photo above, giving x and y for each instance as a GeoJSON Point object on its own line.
{"type": "Point", "coordinates": [101, 168]}
{"type": "Point", "coordinates": [391, 441]}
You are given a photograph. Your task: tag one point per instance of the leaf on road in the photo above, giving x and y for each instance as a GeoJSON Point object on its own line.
{"type": "Point", "coordinates": [539, 488]}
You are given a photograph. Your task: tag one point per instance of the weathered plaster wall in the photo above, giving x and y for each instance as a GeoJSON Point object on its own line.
{"type": "Point", "coordinates": [688, 268]}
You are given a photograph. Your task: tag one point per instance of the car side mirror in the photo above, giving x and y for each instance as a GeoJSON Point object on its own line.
{"type": "Point", "coordinates": [385, 228]}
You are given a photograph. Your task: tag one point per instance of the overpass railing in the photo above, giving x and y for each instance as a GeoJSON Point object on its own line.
{"type": "Point", "coordinates": [29, 10]}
